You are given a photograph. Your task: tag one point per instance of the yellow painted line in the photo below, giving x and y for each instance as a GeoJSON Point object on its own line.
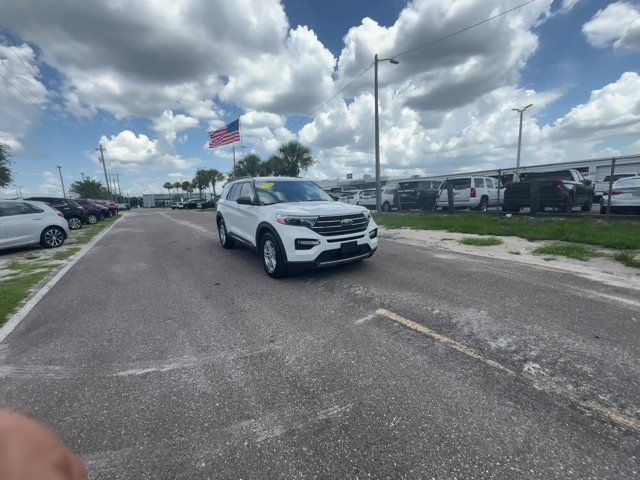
{"type": "Point", "coordinates": [544, 385]}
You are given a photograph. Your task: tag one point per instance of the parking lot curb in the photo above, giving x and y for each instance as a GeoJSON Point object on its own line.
{"type": "Point", "coordinates": [22, 312]}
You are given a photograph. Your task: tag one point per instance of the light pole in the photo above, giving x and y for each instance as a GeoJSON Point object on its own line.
{"type": "Point", "coordinates": [82, 173]}
{"type": "Point", "coordinates": [376, 61]}
{"type": "Point", "coordinates": [64, 194]}
{"type": "Point", "coordinates": [521, 112]}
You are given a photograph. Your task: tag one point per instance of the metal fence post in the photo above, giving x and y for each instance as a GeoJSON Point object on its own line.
{"type": "Point", "coordinates": [534, 195]}
{"type": "Point", "coordinates": [498, 187]}
{"type": "Point", "coordinates": [613, 170]}
{"type": "Point", "coordinates": [450, 197]}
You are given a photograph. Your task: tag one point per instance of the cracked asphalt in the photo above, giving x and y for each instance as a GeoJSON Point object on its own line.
{"type": "Point", "coordinates": [161, 355]}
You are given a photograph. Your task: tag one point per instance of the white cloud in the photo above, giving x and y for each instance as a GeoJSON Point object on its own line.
{"type": "Point", "coordinates": [130, 151]}
{"type": "Point", "coordinates": [618, 24]}
{"type": "Point", "coordinates": [22, 96]}
{"type": "Point", "coordinates": [613, 110]}
{"type": "Point", "coordinates": [169, 125]}
{"type": "Point", "coordinates": [50, 184]}
{"type": "Point", "coordinates": [568, 5]}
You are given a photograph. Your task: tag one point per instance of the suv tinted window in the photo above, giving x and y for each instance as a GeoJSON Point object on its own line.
{"type": "Point", "coordinates": [8, 209]}
{"type": "Point", "coordinates": [457, 183]}
{"type": "Point", "coordinates": [489, 182]}
{"type": "Point", "coordinates": [559, 175]}
{"type": "Point", "coordinates": [479, 182]}
{"type": "Point", "coordinates": [234, 192]}
{"type": "Point", "coordinates": [247, 191]}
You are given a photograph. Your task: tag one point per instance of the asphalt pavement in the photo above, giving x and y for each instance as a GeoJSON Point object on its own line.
{"type": "Point", "coordinates": [161, 355]}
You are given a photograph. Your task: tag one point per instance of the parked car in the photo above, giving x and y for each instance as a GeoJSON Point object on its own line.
{"type": "Point", "coordinates": [408, 192]}
{"type": "Point", "coordinates": [123, 206]}
{"type": "Point", "coordinates": [193, 203]}
{"type": "Point", "coordinates": [94, 212]}
{"type": "Point", "coordinates": [562, 189]}
{"type": "Point", "coordinates": [293, 223]}
{"type": "Point", "coordinates": [367, 198]}
{"type": "Point", "coordinates": [625, 196]}
{"type": "Point", "coordinates": [112, 207]}
{"type": "Point", "coordinates": [207, 204]}
{"type": "Point", "coordinates": [476, 193]}
{"type": "Point", "coordinates": [72, 211]}
{"type": "Point", "coordinates": [348, 197]}
{"type": "Point", "coordinates": [602, 185]}
{"type": "Point", "coordinates": [24, 222]}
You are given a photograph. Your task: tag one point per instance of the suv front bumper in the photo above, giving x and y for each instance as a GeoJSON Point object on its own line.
{"type": "Point", "coordinates": [329, 251]}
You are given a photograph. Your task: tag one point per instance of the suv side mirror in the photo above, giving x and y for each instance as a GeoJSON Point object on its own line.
{"type": "Point", "coordinates": [335, 197]}
{"type": "Point", "coordinates": [244, 201]}
{"type": "Point", "coordinates": [586, 181]}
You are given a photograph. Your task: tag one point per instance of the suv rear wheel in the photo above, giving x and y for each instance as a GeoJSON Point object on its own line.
{"type": "Point", "coordinates": [225, 240]}
{"type": "Point", "coordinates": [386, 207]}
{"type": "Point", "coordinates": [484, 204]}
{"type": "Point", "coordinates": [273, 259]}
{"type": "Point", "coordinates": [92, 218]}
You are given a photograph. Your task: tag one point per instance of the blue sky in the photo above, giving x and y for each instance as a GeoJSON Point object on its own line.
{"type": "Point", "coordinates": [151, 88]}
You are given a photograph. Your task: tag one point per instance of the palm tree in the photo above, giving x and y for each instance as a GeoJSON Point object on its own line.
{"type": "Point", "coordinates": [215, 177]}
{"type": "Point", "coordinates": [168, 186]}
{"type": "Point", "coordinates": [292, 157]}
{"type": "Point", "coordinates": [177, 185]}
{"type": "Point", "coordinates": [201, 180]}
{"type": "Point", "coordinates": [185, 186]}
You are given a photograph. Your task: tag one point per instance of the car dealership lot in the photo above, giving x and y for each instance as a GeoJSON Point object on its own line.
{"type": "Point", "coordinates": [191, 363]}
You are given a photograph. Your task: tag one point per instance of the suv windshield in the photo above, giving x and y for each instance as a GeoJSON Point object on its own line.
{"type": "Point", "coordinates": [270, 192]}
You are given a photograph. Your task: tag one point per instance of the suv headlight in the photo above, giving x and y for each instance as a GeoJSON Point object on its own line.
{"type": "Point", "coordinates": [297, 220]}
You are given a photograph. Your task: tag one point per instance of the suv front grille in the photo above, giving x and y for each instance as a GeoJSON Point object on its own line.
{"type": "Point", "coordinates": [328, 226]}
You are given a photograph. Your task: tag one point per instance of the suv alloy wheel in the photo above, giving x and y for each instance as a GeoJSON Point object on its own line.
{"type": "Point", "coordinates": [75, 223]}
{"type": "Point", "coordinates": [272, 256]}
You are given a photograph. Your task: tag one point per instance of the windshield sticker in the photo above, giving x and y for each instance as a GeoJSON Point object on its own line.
{"type": "Point", "coordinates": [266, 185]}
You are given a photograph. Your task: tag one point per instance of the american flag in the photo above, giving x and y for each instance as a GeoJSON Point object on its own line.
{"type": "Point", "coordinates": [225, 135]}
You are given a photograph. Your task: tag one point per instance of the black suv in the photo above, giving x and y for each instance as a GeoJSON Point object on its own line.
{"type": "Point", "coordinates": [73, 213]}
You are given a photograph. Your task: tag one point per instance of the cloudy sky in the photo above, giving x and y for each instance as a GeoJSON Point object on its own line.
{"type": "Point", "coordinates": [149, 78]}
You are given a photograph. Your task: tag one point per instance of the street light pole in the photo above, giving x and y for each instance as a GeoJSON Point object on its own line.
{"type": "Point", "coordinates": [104, 166]}
{"type": "Point", "coordinates": [521, 112]}
{"type": "Point", "coordinates": [82, 173]}
{"type": "Point", "coordinates": [64, 194]}
{"type": "Point", "coordinates": [376, 61]}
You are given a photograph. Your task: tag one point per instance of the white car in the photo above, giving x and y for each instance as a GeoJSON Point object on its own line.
{"type": "Point", "coordinates": [26, 222]}
{"type": "Point", "coordinates": [292, 222]}
{"type": "Point", "coordinates": [367, 198]}
{"type": "Point", "coordinates": [602, 185]}
{"type": "Point", "coordinates": [625, 196]}
{"type": "Point", "coordinates": [477, 193]}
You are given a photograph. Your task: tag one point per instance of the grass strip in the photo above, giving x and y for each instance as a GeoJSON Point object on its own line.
{"type": "Point", "coordinates": [618, 234]}
{"type": "Point", "coordinates": [481, 241]}
{"type": "Point", "coordinates": [570, 251]}
{"type": "Point", "coordinates": [15, 289]}
{"type": "Point", "coordinates": [628, 259]}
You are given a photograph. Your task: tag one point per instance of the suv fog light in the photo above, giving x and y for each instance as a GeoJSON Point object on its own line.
{"type": "Point", "coordinates": [306, 244]}
{"type": "Point", "coordinates": [373, 233]}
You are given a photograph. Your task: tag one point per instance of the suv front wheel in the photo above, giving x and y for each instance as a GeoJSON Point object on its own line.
{"type": "Point", "coordinates": [273, 259]}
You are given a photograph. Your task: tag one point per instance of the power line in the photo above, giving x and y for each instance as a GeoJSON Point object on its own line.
{"type": "Point", "coordinates": [486, 20]}
{"type": "Point", "coordinates": [355, 79]}
{"type": "Point", "coordinates": [38, 107]}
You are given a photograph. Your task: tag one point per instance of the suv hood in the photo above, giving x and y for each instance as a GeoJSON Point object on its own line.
{"type": "Point", "coordinates": [317, 208]}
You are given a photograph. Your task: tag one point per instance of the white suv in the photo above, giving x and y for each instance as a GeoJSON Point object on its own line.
{"type": "Point", "coordinates": [476, 193]}
{"type": "Point", "coordinates": [292, 222]}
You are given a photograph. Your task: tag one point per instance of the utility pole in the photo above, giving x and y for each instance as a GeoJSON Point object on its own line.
{"type": "Point", "coordinates": [117, 175]}
{"type": "Point", "coordinates": [376, 61]}
{"type": "Point", "coordinates": [82, 173]}
{"type": "Point", "coordinates": [104, 166]}
{"type": "Point", "coordinates": [20, 190]}
{"type": "Point", "coordinates": [64, 194]}
{"type": "Point", "coordinates": [521, 112]}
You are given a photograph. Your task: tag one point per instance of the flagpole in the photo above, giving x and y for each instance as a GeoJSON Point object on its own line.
{"type": "Point", "coordinates": [234, 157]}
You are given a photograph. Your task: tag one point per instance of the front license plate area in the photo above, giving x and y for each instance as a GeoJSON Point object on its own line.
{"type": "Point", "coordinates": [348, 248]}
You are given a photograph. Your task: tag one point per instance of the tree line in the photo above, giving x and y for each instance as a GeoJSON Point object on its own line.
{"type": "Point", "coordinates": [290, 159]}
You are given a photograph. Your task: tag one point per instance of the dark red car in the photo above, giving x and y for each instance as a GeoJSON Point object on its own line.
{"type": "Point", "coordinates": [94, 211]}
{"type": "Point", "coordinates": [112, 207]}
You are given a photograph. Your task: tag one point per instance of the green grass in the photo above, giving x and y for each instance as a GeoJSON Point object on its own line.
{"type": "Point", "coordinates": [64, 254]}
{"type": "Point", "coordinates": [570, 251]}
{"type": "Point", "coordinates": [14, 290]}
{"type": "Point", "coordinates": [628, 259]}
{"type": "Point", "coordinates": [87, 232]}
{"type": "Point", "coordinates": [619, 234]}
{"type": "Point", "coordinates": [481, 242]}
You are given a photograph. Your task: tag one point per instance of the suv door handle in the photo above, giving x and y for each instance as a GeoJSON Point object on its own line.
{"type": "Point", "coordinates": [39, 218]}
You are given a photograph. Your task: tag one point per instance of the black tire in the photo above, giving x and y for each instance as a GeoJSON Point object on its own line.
{"type": "Point", "coordinates": [92, 218]}
{"type": "Point", "coordinates": [587, 206]}
{"type": "Point", "coordinates": [272, 256]}
{"type": "Point", "coordinates": [511, 209]}
{"type": "Point", "coordinates": [386, 207]}
{"type": "Point", "coordinates": [52, 237]}
{"type": "Point", "coordinates": [75, 223]}
{"type": "Point", "coordinates": [484, 204]}
{"type": "Point", "coordinates": [225, 240]}
{"type": "Point", "coordinates": [603, 210]}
